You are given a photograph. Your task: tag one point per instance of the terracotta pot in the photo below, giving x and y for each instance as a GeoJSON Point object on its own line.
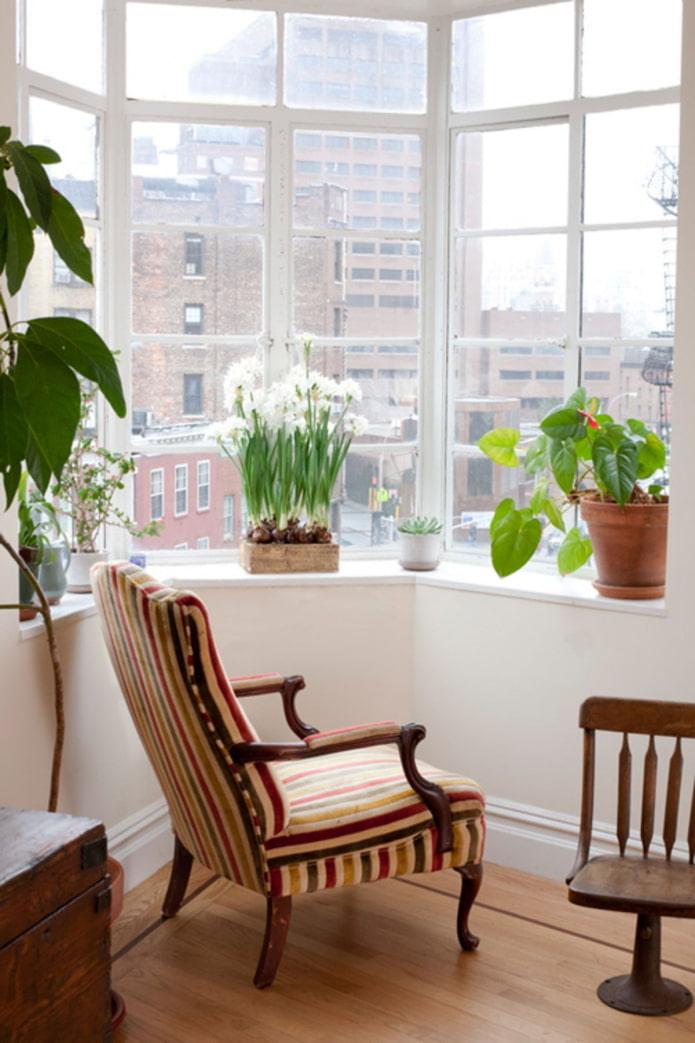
{"type": "Point", "coordinates": [27, 594]}
{"type": "Point", "coordinates": [629, 547]}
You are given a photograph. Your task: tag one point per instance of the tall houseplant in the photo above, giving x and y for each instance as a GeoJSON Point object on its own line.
{"type": "Point", "coordinates": [580, 457]}
{"type": "Point", "coordinates": [42, 358]}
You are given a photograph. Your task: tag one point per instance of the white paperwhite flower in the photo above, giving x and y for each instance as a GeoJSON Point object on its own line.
{"type": "Point", "coordinates": [355, 424]}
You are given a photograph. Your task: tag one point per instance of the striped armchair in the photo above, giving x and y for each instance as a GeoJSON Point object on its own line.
{"type": "Point", "coordinates": [330, 809]}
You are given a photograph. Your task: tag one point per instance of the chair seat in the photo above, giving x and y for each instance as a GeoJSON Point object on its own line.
{"type": "Point", "coordinates": [354, 817]}
{"type": "Point", "coordinates": [636, 885]}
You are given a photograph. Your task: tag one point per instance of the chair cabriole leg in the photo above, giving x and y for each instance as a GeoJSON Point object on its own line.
{"type": "Point", "coordinates": [178, 880]}
{"type": "Point", "coordinates": [276, 925]}
{"type": "Point", "coordinates": [471, 879]}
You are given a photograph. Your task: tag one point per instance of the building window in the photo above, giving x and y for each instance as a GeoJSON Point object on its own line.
{"type": "Point", "coordinates": [203, 485]}
{"type": "Point", "coordinates": [156, 494]}
{"type": "Point", "coordinates": [228, 516]}
{"type": "Point", "coordinates": [192, 319]}
{"type": "Point", "coordinates": [62, 275]}
{"type": "Point", "coordinates": [181, 489]}
{"type": "Point", "coordinates": [203, 543]}
{"type": "Point", "coordinates": [193, 394]}
{"type": "Point", "coordinates": [193, 263]}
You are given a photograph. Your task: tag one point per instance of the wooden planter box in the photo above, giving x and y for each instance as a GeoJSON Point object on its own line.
{"type": "Point", "coordinates": [289, 557]}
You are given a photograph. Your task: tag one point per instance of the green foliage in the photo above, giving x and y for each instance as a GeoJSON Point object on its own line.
{"type": "Point", "coordinates": [38, 520]}
{"type": "Point", "coordinates": [420, 526]}
{"type": "Point", "coordinates": [89, 483]}
{"type": "Point", "coordinates": [578, 452]}
{"type": "Point", "coordinates": [42, 359]}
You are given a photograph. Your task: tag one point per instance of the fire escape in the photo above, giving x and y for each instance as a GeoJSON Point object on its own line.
{"type": "Point", "coordinates": [662, 187]}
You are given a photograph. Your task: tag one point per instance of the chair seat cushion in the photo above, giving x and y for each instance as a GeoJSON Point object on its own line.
{"type": "Point", "coordinates": [635, 885]}
{"type": "Point", "coordinates": [354, 817]}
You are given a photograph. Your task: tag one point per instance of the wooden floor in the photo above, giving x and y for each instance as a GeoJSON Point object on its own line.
{"type": "Point", "coordinates": [381, 963]}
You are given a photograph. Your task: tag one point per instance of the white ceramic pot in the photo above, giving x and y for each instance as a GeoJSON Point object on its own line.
{"type": "Point", "coordinates": [419, 552]}
{"type": "Point", "coordinates": [79, 581]}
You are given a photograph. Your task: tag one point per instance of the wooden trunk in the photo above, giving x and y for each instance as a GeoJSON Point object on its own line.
{"type": "Point", "coordinates": [289, 557]}
{"type": "Point", "coordinates": [54, 929]}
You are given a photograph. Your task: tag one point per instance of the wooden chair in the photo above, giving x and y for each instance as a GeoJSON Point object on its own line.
{"type": "Point", "coordinates": [660, 881]}
{"type": "Point", "coordinates": [331, 809]}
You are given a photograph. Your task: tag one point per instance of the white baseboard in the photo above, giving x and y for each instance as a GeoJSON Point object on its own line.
{"type": "Point", "coordinates": [142, 843]}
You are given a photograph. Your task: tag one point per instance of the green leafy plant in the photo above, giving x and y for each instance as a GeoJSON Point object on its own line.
{"type": "Point", "coordinates": [420, 526]}
{"type": "Point", "coordinates": [40, 358]}
{"type": "Point", "coordinates": [579, 452]}
{"type": "Point", "coordinates": [88, 486]}
{"type": "Point", "coordinates": [38, 520]}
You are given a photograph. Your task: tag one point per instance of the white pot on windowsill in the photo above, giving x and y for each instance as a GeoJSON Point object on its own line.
{"type": "Point", "coordinates": [417, 552]}
{"type": "Point", "coordinates": [81, 561]}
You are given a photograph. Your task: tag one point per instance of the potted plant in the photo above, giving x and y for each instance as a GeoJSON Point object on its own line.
{"type": "Point", "coordinates": [86, 492]}
{"type": "Point", "coordinates": [42, 546]}
{"type": "Point", "coordinates": [419, 543]}
{"type": "Point", "coordinates": [289, 442]}
{"type": "Point", "coordinates": [42, 359]}
{"type": "Point", "coordinates": [583, 458]}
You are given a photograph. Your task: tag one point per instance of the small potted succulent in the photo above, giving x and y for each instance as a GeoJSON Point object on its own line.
{"type": "Point", "coordinates": [419, 541]}
{"type": "Point", "coordinates": [582, 458]}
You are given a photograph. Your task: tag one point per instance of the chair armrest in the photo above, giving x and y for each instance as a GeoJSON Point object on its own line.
{"type": "Point", "coordinates": [406, 737]}
{"type": "Point", "coordinates": [288, 687]}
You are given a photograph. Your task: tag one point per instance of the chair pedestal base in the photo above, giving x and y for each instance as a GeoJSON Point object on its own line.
{"type": "Point", "coordinates": [662, 997]}
{"type": "Point", "coordinates": [644, 991]}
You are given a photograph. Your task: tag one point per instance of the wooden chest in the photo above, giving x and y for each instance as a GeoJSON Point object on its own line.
{"type": "Point", "coordinates": [54, 929]}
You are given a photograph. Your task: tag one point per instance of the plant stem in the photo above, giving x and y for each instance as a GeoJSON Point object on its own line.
{"type": "Point", "coordinates": [58, 697]}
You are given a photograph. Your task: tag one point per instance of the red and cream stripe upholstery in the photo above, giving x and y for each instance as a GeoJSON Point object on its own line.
{"type": "Point", "coordinates": [336, 818]}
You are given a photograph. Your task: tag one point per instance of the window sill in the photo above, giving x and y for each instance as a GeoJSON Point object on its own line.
{"type": "Point", "coordinates": [450, 575]}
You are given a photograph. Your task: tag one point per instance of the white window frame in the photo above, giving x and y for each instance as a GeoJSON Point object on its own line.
{"type": "Point", "coordinates": [180, 490]}
{"type": "Point", "coordinates": [203, 500]}
{"type": "Point", "coordinates": [156, 477]}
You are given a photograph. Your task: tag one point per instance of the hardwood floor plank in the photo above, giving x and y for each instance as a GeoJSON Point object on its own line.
{"type": "Point", "coordinates": [381, 964]}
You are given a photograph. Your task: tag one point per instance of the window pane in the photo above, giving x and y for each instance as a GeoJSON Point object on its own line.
{"type": "Point", "coordinates": [355, 63]}
{"type": "Point", "coordinates": [52, 289]}
{"type": "Point", "coordinates": [648, 37]}
{"type": "Point", "coordinates": [56, 47]}
{"type": "Point", "coordinates": [73, 134]}
{"type": "Point", "coordinates": [181, 53]}
{"type": "Point", "coordinates": [510, 286]}
{"type": "Point", "coordinates": [631, 164]}
{"type": "Point", "coordinates": [353, 189]}
{"type": "Point", "coordinates": [629, 278]}
{"type": "Point", "coordinates": [353, 304]}
{"type": "Point", "coordinates": [538, 157]}
{"type": "Point", "coordinates": [228, 301]}
{"type": "Point", "coordinates": [506, 59]}
{"type": "Point", "coordinates": [198, 174]}
{"type": "Point", "coordinates": [632, 382]}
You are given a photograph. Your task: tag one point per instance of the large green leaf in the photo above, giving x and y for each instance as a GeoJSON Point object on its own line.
{"type": "Point", "coordinates": [13, 437]}
{"type": "Point", "coordinates": [5, 134]}
{"type": "Point", "coordinates": [38, 466]}
{"type": "Point", "coordinates": [564, 424]}
{"type": "Point", "coordinates": [20, 243]}
{"type": "Point", "coordinates": [554, 514]}
{"type": "Point", "coordinates": [66, 232]}
{"type": "Point", "coordinates": [33, 181]}
{"type": "Point", "coordinates": [500, 445]}
{"type": "Point", "coordinates": [79, 346]}
{"type": "Point", "coordinates": [515, 541]}
{"type": "Point", "coordinates": [616, 464]}
{"type": "Point", "coordinates": [43, 153]}
{"type": "Point", "coordinates": [49, 394]}
{"type": "Point", "coordinates": [563, 461]}
{"type": "Point", "coordinates": [539, 495]}
{"type": "Point", "coordinates": [574, 552]}
{"type": "Point", "coordinates": [536, 456]}
{"type": "Point", "coordinates": [651, 456]}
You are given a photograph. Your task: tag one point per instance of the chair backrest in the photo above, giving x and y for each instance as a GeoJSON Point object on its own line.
{"type": "Point", "coordinates": [187, 717]}
{"type": "Point", "coordinates": [648, 718]}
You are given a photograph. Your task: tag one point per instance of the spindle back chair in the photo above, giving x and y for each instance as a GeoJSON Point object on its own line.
{"type": "Point", "coordinates": [659, 881]}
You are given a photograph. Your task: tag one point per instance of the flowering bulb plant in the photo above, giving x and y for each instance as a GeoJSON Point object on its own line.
{"type": "Point", "coordinates": [289, 442]}
{"type": "Point", "coordinates": [582, 452]}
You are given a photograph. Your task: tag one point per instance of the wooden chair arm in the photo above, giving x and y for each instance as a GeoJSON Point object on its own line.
{"type": "Point", "coordinates": [288, 687]}
{"type": "Point", "coordinates": [406, 737]}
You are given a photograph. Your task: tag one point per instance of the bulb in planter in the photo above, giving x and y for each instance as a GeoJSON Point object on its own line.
{"type": "Point", "coordinates": [419, 543]}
